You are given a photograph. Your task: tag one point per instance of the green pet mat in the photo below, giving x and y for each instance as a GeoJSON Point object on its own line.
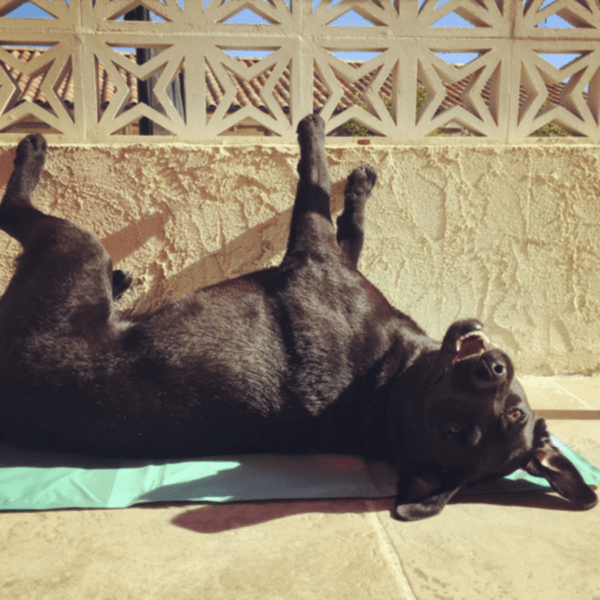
{"type": "Point", "coordinates": [41, 481]}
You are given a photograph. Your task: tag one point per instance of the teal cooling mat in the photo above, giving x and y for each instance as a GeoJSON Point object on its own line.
{"type": "Point", "coordinates": [40, 481]}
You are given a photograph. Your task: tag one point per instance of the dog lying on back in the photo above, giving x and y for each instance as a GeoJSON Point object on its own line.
{"type": "Point", "coordinates": [307, 357]}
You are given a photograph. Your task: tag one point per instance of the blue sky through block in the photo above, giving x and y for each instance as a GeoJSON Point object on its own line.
{"type": "Point", "coordinates": [365, 56]}
{"type": "Point", "coordinates": [246, 16]}
{"type": "Point", "coordinates": [458, 58]}
{"type": "Point", "coordinates": [30, 11]}
{"type": "Point", "coordinates": [452, 20]}
{"type": "Point", "coordinates": [558, 60]}
{"type": "Point", "coordinates": [248, 53]}
{"type": "Point", "coordinates": [351, 19]}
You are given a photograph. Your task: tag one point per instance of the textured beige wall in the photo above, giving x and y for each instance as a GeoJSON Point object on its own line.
{"type": "Point", "coordinates": [510, 235]}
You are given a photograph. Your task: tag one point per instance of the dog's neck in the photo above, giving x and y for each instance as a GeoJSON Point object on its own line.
{"type": "Point", "coordinates": [398, 393]}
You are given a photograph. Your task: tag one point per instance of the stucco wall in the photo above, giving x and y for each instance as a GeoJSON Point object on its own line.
{"type": "Point", "coordinates": [510, 235]}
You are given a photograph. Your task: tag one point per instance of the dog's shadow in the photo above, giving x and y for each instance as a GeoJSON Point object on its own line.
{"type": "Point", "coordinates": [218, 518]}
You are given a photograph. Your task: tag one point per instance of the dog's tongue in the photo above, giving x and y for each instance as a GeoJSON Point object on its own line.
{"type": "Point", "coordinates": [469, 347]}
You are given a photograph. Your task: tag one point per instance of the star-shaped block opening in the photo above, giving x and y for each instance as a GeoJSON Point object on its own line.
{"type": "Point", "coordinates": [459, 97]}
{"type": "Point", "coordinates": [356, 97]}
{"type": "Point", "coordinates": [248, 91]}
{"type": "Point", "coordinates": [560, 98]}
{"type": "Point", "coordinates": [143, 90]}
{"type": "Point", "coordinates": [36, 87]}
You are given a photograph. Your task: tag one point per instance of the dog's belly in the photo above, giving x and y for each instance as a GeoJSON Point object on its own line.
{"type": "Point", "coordinates": [250, 365]}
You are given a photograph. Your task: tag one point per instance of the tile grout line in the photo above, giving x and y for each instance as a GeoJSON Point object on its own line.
{"type": "Point", "coordinates": [389, 554]}
{"type": "Point", "coordinates": [573, 395]}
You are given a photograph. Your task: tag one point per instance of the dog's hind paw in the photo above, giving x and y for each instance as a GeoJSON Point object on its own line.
{"type": "Point", "coordinates": [31, 151]}
{"type": "Point", "coordinates": [29, 163]}
{"type": "Point", "coordinates": [311, 126]}
{"type": "Point", "coordinates": [312, 166]}
{"type": "Point", "coordinates": [121, 282]}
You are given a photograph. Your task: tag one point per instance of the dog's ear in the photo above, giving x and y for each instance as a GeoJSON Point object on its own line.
{"type": "Point", "coordinates": [549, 463]}
{"type": "Point", "coordinates": [421, 496]}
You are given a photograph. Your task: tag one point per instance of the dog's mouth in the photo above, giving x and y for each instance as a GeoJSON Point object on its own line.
{"type": "Point", "coordinates": [463, 340]}
{"type": "Point", "coordinates": [470, 344]}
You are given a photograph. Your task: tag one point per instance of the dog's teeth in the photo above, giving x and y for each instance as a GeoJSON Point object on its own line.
{"type": "Point", "coordinates": [474, 345]}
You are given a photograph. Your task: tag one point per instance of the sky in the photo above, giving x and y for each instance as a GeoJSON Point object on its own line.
{"type": "Point", "coordinates": [29, 10]}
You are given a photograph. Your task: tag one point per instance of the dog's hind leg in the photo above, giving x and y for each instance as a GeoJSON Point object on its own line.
{"type": "Point", "coordinates": [350, 224]}
{"type": "Point", "coordinates": [311, 228]}
{"type": "Point", "coordinates": [17, 213]}
{"type": "Point", "coordinates": [21, 220]}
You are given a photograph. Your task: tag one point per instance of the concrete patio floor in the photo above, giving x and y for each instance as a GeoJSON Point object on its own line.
{"type": "Point", "coordinates": [511, 546]}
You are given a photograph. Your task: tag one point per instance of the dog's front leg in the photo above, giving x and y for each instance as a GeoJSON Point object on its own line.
{"type": "Point", "coordinates": [351, 223]}
{"type": "Point", "coordinates": [311, 228]}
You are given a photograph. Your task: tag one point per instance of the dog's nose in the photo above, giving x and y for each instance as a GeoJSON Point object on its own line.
{"type": "Point", "coordinates": [490, 369]}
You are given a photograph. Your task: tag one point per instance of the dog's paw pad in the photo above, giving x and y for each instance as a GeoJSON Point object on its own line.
{"type": "Point", "coordinates": [370, 174]}
{"type": "Point", "coordinates": [361, 181]}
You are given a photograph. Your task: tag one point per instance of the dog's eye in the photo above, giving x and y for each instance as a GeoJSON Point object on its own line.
{"type": "Point", "coordinates": [452, 429]}
{"type": "Point", "coordinates": [516, 414]}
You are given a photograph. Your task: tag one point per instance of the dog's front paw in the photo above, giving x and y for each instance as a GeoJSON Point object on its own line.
{"type": "Point", "coordinates": [361, 181]}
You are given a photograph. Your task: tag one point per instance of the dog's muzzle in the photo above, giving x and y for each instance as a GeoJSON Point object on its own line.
{"type": "Point", "coordinates": [467, 340]}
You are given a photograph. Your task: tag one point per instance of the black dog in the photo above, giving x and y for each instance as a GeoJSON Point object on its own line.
{"type": "Point", "coordinates": [307, 357]}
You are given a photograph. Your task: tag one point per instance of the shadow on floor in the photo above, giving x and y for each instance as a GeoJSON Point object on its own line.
{"type": "Point", "coordinates": [227, 517]}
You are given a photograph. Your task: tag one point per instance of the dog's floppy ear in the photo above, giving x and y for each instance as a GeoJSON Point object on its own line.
{"type": "Point", "coordinates": [421, 496]}
{"type": "Point", "coordinates": [548, 462]}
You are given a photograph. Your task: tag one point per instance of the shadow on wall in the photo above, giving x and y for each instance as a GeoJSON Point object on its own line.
{"type": "Point", "coordinates": [125, 242]}
{"type": "Point", "coordinates": [7, 158]}
{"type": "Point", "coordinates": [257, 248]}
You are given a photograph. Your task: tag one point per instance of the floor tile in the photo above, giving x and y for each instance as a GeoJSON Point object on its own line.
{"type": "Point", "coordinates": [580, 435]}
{"type": "Point", "coordinates": [274, 550]}
{"type": "Point", "coordinates": [564, 404]}
{"type": "Point", "coordinates": [586, 388]}
{"type": "Point", "coordinates": [544, 394]}
{"type": "Point", "coordinates": [513, 546]}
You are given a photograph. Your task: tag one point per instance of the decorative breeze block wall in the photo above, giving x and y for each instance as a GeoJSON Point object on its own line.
{"type": "Point", "coordinates": [505, 93]}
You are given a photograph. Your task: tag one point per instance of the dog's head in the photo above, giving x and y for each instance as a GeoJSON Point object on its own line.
{"type": "Point", "coordinates": [466, 420]}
